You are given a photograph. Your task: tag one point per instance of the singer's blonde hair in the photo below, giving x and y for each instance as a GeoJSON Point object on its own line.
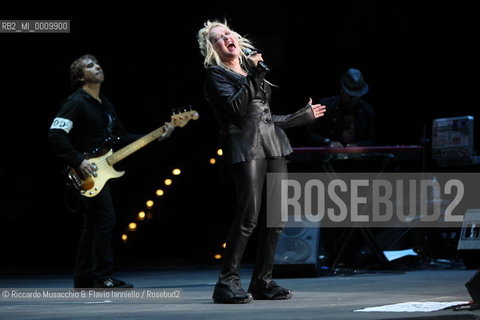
{"type": "Point", "coordinates": [211, 56]}
{"type": "Point", "coordinates": [206, 47]}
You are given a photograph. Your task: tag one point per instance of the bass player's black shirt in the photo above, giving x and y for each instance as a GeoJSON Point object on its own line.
{"type": "Point", "coordinates": [82, 125]}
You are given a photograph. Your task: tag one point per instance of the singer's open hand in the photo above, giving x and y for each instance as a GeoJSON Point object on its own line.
{"type": "Point", "coordinates": [318, 109]}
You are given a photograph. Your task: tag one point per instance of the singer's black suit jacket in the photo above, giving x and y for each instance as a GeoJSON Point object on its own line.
{"type": "Point", "coordinates": [242, 107]}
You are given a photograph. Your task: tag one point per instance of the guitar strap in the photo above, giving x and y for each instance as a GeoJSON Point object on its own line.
{"type": "Point", "coordinates": [109, 123]}
{"type": "Point", "coordinates": [112, 138]}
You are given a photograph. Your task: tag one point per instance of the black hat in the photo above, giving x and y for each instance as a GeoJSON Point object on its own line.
{"type": "Point", "coordinates": [353, 84]}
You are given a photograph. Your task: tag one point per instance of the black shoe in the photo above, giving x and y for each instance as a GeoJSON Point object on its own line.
{"type": "Point", "coordinates": [111, 283]}
{"type": "Point", "coordinates": [235, 300]}
{"type": "Point", "coordinates": [230, 291]}
{"type": "Point", "coordinates": [473, 287]}
{"type": "Point", "coordinates": [82, 283]}
{"type": "Point", "coordinates": [271, 291]}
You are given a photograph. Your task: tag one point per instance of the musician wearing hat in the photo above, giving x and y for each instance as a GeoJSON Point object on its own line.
{"type": "Point", "coordinates": [350, 120]}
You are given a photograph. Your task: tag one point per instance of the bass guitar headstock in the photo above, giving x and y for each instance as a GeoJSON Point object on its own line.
{"type": "Point", "coordinates": [181, 117]}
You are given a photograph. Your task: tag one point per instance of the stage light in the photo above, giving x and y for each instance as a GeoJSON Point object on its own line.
{"type": "Point", "coordinates": [141, 215]}
{"type": "Point", "coordinates": [149, 203]}
{"type": "Point", "coordinates": [168, 182]}
{"type": "Point", "coordinates": [213, 161]}
{"type": "Point", "coordinates": [132, 226]}
{"type": "Point", "coordinates": [220, 152]}
{"type": "Point", "coordinates": [124, 237]}
{"type": "Point", "coordinates": [224, 245]}
{"type": "Point", "coordinates": [159, 192]}
{"type": "Point", "coordinates": [217, 256]}
{"type": "Point", "coordinates": [176, 172]}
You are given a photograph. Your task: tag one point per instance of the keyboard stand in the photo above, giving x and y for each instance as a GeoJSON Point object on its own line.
{"type": "Point", "coordinates": [365, 232]}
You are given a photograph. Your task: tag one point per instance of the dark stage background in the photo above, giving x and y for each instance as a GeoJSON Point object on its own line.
{"type": "Point", "coordinates": [420, 61]}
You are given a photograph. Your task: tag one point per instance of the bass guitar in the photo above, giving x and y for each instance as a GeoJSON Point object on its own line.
{"type": "Point", "coordinates": [104, 161]}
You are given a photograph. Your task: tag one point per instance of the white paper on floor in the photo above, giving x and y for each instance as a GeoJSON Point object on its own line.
{"type": "Point", "coordinates": [415, 306]}
{"type": "Point", "coordinates": [396, 254]}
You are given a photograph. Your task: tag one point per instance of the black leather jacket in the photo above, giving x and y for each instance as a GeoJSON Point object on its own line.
{"type": "Point", "coordinates": [242, 107]}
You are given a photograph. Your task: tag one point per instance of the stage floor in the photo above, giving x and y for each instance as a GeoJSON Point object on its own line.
{"type": "Point", "coordinates": [328, 297]}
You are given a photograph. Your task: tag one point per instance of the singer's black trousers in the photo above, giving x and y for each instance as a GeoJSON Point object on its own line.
{"type": "Point", "coordinates": [249, 179]}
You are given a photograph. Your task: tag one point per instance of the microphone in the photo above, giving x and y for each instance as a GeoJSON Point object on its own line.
{"type": "Point", "coordinates": [261, 64]}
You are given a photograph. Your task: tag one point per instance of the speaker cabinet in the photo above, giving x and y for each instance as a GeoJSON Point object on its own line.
{"type": "Point", "coordinates": [469, 242]}
{"type": "Point", "coordinates": [297, 253]}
